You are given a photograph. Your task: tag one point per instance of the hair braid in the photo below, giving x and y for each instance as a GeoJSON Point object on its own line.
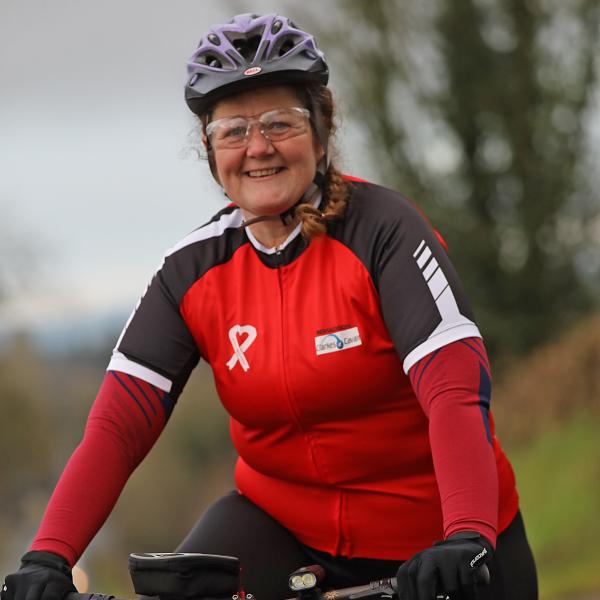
{"type": "Point", "coordinates": [336, 192]}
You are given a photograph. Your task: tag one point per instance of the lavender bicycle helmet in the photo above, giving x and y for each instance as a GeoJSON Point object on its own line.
{"type": "Point", "coordinates": [249, 51]}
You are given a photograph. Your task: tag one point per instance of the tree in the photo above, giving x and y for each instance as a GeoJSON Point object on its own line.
{"type": "Point", "coordinates": [480, 111]}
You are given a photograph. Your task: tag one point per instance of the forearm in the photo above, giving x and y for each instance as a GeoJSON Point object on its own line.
{"type": "Point", "coordinates": [466, 473]}
{"type": "Point", "coordinates": [453, 386]}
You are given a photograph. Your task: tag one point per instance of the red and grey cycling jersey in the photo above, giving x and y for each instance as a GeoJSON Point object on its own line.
{"type": "Point", "coordinates": [310, 346]}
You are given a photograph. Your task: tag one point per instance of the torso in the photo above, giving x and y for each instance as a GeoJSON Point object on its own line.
{"type": "Point", "coordinates": [309, 348]}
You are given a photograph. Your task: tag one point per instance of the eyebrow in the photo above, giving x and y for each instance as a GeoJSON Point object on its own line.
{"type": "Point", "coordinates": [255, 115]}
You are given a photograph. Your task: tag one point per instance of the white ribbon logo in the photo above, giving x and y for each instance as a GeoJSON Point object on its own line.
{"type": "Point", "coordinates": [239, 349]}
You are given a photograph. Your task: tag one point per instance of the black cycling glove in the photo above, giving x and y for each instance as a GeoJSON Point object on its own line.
{"type": "Point", "coordinates": [42, 576]}
{"type": "Point", "coordinates": [449, 567]}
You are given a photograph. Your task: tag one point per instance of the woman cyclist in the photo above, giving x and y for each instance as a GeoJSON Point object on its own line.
{"type": "Point", "coordinates": [342, 346]}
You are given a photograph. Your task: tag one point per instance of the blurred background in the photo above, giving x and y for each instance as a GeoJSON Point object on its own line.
{"type": "Point", "coordinates": [485, 112]}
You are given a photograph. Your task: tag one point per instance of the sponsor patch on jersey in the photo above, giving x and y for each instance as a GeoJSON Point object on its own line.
{"type": "Point", "coordinates": [337, 341]}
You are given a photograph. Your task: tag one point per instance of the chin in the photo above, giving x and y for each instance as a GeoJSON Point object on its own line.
{"type": "Point", "coordinates": [269, 208]}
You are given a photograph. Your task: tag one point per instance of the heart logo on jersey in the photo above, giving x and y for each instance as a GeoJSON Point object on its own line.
{"type": "Point", "coordinates": [239, 348]}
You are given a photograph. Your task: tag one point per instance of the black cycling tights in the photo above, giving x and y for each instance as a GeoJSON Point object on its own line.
{"type": "Point", "coordinates": [268, 553]}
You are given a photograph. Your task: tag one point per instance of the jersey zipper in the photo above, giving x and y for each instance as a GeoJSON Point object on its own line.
{"type": "Point", "coordinates": [341, 542]}
{"type": "Point", "coordinates": [285, 356]}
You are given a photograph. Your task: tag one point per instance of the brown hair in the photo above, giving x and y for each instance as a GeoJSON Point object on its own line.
{"type": "Point", "coordinates": [336, 189]}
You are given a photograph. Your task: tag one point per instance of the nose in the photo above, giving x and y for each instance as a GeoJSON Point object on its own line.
{"type": "Point", "coordinates": [258, 144]}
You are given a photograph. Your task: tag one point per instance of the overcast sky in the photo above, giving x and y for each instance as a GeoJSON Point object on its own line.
{"type": "Point", "coordinates": [92, 129]}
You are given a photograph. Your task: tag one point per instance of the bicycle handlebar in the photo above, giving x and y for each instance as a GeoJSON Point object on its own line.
{"type": "Point", "coordinates": [383, 588]}
{"type": "Point", "coordinates": [375, 589]}
{"type": "Point", "coordinates": [80, 596]}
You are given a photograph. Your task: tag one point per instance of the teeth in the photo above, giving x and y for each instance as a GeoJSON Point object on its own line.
{"type": "Point", "coordinates": [263, 172]}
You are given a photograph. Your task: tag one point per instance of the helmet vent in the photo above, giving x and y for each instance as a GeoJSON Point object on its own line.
{"type": "Point", "coordinates": [246, 45]}
{"type": "Point", "coordinates": [214, 39]}
{"type": "Point", "coordinates": [276, 27]}
{"type": "Point", "coordinates": [210, 60]}
{"type": "Point", "coordinates": [285, 44]}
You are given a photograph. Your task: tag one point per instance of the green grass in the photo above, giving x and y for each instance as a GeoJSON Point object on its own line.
{"type": "Point", "coordinates": [558, 477]}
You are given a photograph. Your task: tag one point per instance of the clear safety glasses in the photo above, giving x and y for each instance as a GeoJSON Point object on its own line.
{"type": "Point", "coordinates": [274, 125]}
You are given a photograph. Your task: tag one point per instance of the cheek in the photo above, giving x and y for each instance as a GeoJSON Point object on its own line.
{"type": "Point", "coordinates": [225, 164]}
{"type": "Point", "coordinates": [306, 158]}
{"type": "Point", "coordinates": [311, 161]}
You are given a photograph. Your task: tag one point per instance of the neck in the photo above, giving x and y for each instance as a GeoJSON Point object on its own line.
{"type": "Point", "coordinates": [271, 232]}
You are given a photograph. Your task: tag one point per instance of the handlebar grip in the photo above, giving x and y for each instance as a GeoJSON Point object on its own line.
{"type": "Point", "coordinates": [388, 588]}
{"type": "Point", "coordinates": [482, 578]}
{"type": "Point", "coordinates": [78, 596]}
{"type": "Point", "coordinates": [482, 575]}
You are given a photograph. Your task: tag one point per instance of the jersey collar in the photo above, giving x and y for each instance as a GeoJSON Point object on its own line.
{"type": "Point", "coordinates": [290, 238]}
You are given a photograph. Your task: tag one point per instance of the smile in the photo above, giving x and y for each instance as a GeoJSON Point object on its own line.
{"type": "Point", "coordinates": [264, 172]}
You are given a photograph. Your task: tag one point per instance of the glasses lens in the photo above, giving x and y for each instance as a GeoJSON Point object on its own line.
{"type": "Point", "coordinates": [284, 123]}
{"type": "Point", "coordinates": [227, 133]}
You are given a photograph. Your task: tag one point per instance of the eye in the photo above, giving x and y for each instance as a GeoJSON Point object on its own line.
{"type": "Point", "coordinates": [230, 129]}
{"type": "Point", "coordinates": [233, 131]}
{"type": "Point", "coordinates": [278, 126]}
{"type": "Point", "coordinates": [283, 123]}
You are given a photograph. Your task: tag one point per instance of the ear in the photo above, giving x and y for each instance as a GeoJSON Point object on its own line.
{"type": "Point", "coordinates": [205, 142]}
{"type": "Point", "coordinates": [319, 152]}
{"type": "Point", "coordinates": [213, 166]}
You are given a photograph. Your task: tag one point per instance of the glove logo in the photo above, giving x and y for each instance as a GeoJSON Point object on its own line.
{"type": "Point", "coordinates": [479, 556]}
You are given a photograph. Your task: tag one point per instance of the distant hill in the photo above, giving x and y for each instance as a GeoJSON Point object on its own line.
{"type": "Point", "coordinates": [94, 332]}
{"type": "Point", "coordinates": [556, 382]}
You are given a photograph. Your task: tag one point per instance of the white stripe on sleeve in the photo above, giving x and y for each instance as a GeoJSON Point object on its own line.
{"type": "Point", "coordinates": [119, 362]}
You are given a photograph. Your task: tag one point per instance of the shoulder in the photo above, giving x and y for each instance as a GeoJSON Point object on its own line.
{"type": "Point", "coordinates": [378, 218]}
{"type": "Point", "coordinates": [383, 227]}
{"type": "Point", "coordinates": [222, 225]}
{"type": "Point", "coordinates": [375, 208]}
{"type": "Point", "coordinates": [208, 246]}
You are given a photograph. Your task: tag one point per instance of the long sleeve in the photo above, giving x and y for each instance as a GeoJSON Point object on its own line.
{"type": "Point", "coordinates": [453, 386]}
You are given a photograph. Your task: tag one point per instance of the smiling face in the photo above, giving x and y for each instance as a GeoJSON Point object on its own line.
{"type": "Point", "coordinates": [265, 178]}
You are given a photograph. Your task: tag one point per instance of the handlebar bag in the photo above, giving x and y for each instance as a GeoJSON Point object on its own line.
{"type": "Point", "coordinates": [184, 576]}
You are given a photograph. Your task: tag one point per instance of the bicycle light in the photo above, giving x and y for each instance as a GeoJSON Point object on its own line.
{"type": "Point", "coordinates": [303, 582]}
{"type": "Point", "coordinates": [306, 578]}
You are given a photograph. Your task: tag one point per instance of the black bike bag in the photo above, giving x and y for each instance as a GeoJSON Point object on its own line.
{"type": "Point", "coordinates": [184, 576]}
